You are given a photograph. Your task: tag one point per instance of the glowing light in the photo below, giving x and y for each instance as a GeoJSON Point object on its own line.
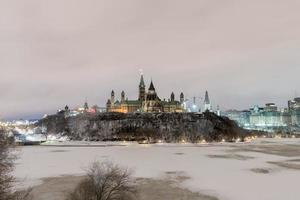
{"type": "Point", "coordinates": [278, 136]}
{"type": "Point", "coordinates": [203, 141]}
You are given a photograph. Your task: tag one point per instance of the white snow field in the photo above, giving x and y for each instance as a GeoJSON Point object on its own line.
{"type": "Point", "coordinates": [226, 177]}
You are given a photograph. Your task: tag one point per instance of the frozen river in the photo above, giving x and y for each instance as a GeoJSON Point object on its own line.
{"type": "Point", "coordinates": [266, 169]}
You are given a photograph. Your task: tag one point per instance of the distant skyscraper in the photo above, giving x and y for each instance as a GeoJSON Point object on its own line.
{"type": "Point", "coordinates": [207, 105]}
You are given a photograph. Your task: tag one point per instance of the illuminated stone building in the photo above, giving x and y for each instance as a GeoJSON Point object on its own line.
{"type": "Point", "coordinates": [268, 117]}
{"type": "Point", "coordinates": [294, 104]}
{"type": "Point", "coordinates": [294, 109]}
{"type": "Point", "coordinates": [241, 117]}
{"type": "Point", "coordinates": [148, 101]}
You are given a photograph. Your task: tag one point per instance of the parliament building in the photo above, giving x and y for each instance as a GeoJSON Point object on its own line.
{"type": "Point", "coordinates": [148, 101]}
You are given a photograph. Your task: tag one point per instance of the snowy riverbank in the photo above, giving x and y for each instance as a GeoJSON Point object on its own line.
{"type": "Point", "coordinates": [229, 171]}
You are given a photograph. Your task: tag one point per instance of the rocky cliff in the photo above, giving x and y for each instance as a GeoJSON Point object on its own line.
{"type": "Point", "coordinates": [170, 127]}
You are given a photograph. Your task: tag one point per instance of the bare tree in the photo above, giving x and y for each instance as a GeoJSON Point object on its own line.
{"type": "Point", "coordinates": [105, 181]}
{"type": "Point", "coordinates": [6, 167]}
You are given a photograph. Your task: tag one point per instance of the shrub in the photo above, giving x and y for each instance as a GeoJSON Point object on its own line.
{"type": "Point", "coordinates": [105, 181]}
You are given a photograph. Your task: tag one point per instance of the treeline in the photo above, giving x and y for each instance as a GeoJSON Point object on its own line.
{"type": "Point", "coordinates": [210, 128]}
{"type": "Point", "coordinates": [170, 127]}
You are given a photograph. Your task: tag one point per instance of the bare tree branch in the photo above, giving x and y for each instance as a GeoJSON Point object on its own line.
{"type": "Point", "coordinates": [105, 181]}
{"type": "Point", "coordinates": [6, 167]}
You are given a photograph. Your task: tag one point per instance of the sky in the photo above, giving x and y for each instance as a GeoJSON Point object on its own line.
{"type": "Point", "coordinates": [59, 52]}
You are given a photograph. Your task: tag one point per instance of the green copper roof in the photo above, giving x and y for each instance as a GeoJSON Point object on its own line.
{"type": "Point", "coordinates": [133, 102]}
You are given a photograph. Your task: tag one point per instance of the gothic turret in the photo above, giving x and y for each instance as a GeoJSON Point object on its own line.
{"type": "Point", "coordinates": [112, 97]}
{"type": "Point", "coordinates": [142, 89]}
{"type": "Point", "coordinates": [151, 87]}
{"type": "Point", "coordinates": [108, 105]}
{"type": "Point", "coordinates": [153, 102]}
{"type": "Point", "coordinates": [181, 97]}
{"type": "Point", "coordinates": [206, 100]}
{"type": "Point", "coordinates": [151, 95]}
{"type": "Point", "coordinates": [172, 97]}
{"type": "Point", "coordinates": [122, 96]}
{"type": "Point", "coordinates": [207, 106]}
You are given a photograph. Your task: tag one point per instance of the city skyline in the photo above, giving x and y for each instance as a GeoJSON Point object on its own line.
{"type": "Point", "coordinates": [190, 100]}
{"type": "Point", "coordinates": [61, 52]}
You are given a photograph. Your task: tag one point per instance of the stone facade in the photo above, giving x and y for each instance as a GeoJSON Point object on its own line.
{"type": "Point", "coordinates": [148, 101]}
{"type": "Point", "coordinates": [268, 117]}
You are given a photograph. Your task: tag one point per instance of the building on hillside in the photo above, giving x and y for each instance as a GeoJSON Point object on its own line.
{"type": "Point", "coordinates": [294, 109]}
{"type": "Point", "coordinates": [193, 106]}
{"type": "Point", "coordinates": [241, 117]}
{"type": "Point", "coordinates": [294, 104]}
{"type": "Point", "coordinates": [147, 101]}
{"type": "Point", "coordinates": [269, 118]}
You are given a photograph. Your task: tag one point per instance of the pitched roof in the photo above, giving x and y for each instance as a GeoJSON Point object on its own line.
{"type": "Point", "coordinates": [151, 86]}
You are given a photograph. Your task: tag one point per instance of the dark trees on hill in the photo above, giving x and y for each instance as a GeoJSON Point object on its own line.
{"type": "Point", "coordinates": [170, 127]}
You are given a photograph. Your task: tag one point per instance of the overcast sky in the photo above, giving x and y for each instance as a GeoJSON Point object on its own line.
{"type": "Point", "coordinates": [58, 52]}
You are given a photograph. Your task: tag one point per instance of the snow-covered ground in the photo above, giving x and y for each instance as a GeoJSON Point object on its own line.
{"type": "Point", "coordinates": [225, 177]}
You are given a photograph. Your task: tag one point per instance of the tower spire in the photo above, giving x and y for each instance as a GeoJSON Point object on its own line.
{"type": "Point", "coordinates": [206, 100]}
{"type": "Point", "coordinates": [142, 83]}
{"type": "Point", "coordinates": [207, 105]}
{"type": "Point", "coordinates": [142, 89]}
